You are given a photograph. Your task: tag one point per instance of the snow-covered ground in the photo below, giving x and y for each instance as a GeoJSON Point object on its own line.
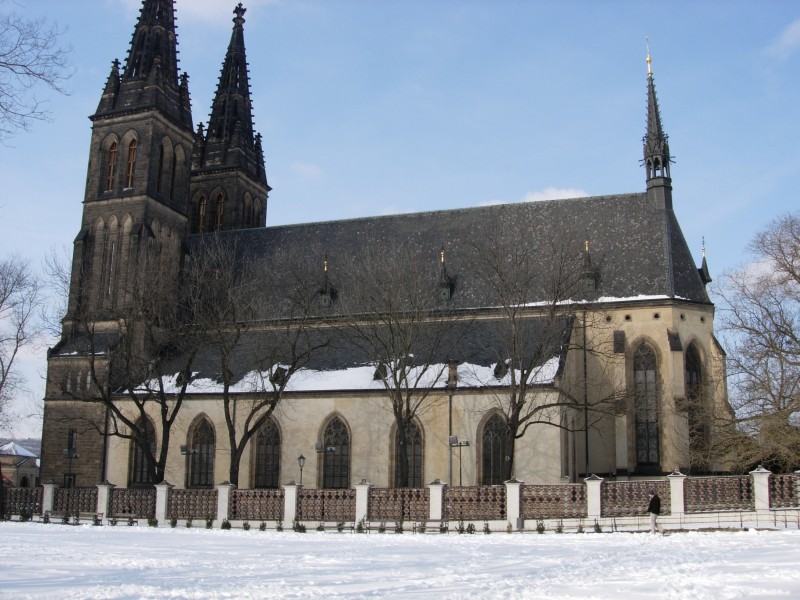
{"type": "Point", "coordinates": [66, 562]}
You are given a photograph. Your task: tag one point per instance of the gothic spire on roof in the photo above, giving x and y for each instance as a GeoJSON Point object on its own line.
{"type": "Point", "coordinates": [154, 42]}
{"type": "Point", "coordinates": [705, 274]}
{"type": "Point", "coordinates": [230, 139]}
{"type": "Point", "coordinates": [656, 148]}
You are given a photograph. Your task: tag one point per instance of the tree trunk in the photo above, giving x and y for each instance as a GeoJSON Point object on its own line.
{"type": "Point", "coordinates": [401, 457]}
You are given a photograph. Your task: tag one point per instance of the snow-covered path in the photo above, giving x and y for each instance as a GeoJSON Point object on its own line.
{"type": "Point", "coordinates": [57, 561]}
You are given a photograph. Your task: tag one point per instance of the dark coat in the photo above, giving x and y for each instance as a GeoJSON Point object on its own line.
{"type": "Point", "coordinates": [655, 505]}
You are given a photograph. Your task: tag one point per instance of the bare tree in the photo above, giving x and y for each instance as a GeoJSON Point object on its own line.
{"type": "Point", "coordinates": [760, 312]}
{"type": "Point", "coordinates": [31, 58]}
{"type": "Point", "coordinates": [231, 297]}
{"type": "Point", "coordinates": [530, 281]}
{"type": "Point", "coordinates": [396, 315]}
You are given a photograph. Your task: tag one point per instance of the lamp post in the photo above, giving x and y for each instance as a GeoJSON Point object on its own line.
{"type": "Point", "coordinates": [69, 478]}
{"type": "Point", "coordinates": [454, 443]}
{"type": "Point", "coordinates": [301, 460]}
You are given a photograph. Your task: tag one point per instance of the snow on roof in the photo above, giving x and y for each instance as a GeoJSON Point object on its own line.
{"type": "Point", "coordinates": [14, 449]}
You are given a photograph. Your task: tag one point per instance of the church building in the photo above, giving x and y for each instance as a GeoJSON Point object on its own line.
{"type": "Point", "coordinates": [542, 341]}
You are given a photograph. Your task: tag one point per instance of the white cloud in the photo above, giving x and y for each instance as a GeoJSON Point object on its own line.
{"type": "Point", "coordinates": [308, 171]}
{"type": "Point", "coordinates": [548, 193]}
{"type": "Point", "coordinates": [787, 42]}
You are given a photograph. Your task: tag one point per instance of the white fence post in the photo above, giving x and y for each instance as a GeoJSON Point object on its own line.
{"type": "Point", "coordinates": [223, 501]}
{"type": "Point", "coordinates": [436, 488]}
{"type": "Point", "coordinates": [162, 502]}
{"type": "Point", "coordinates": [104, 498]}
{"type": "Point", "coordinates": [677, 504]}
{"type": "Point", "coordinates": [362, 500]}
{"type": "Point", "coordinates": [593, 496]}
{"type": "Point", "coordinates": [48, 497]}
{"type": "Point", "coordinates": [761, 488]}
{"type": "Point", "coordinates": [290, 495]}
{"type": "Point", "coordinates": [513, 503]}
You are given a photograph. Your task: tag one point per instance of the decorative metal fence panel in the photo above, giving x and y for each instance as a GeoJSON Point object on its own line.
{"type": "Point", "coordinates": [23, 500]}
{"type": "Point", "coordinates": [709, 494]}
{"type": "Point", "coordinates": [783, 491]}
{"type": "Point", "coordinates": [629, 498]}
{"type": "Point", "coordinates": [190, 504]}
{"type": "Point", "coordinates": [326, 505]}
{"type": "Point", "coordinates": [75, 500]}
{"type": "Point", "coordinates": [256, 505]}
{"type": "Point", "coordinates": [566, 501]}
{"type": "Point", "coordinates": [475, 503]}
{"type": "Point", "coordinates": [399, 504]}
{"type": "Point", "coordinates": [131, 501]}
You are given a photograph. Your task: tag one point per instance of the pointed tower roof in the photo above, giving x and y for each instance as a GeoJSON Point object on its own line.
{"type": "Point", "coordinates": [149, 78]}
{"type": "Point", "coordinates": [656, 149]}
{"type": "Point", "coordinates": [230, 140]}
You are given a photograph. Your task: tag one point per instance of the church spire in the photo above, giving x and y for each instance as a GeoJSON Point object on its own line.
{"type": "Point", "coordinates": [230, 139]}
{"type": "Point", "coordinates": [656, 148]}
{"type": "Point", "coordinates": [154, 44]}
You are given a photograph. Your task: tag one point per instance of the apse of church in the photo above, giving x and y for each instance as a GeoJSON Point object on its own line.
{"type": "Point", "coordinates": [620, 374]}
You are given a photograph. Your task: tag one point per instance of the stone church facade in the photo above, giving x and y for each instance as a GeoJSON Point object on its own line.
{"type": "Point", "coordinates": [628, 381]}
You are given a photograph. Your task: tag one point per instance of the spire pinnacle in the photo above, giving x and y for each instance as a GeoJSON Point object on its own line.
{"type": "Point", "coordinates": [649, 61]}
{"type": "Point", "coordinates": [657, 157]}
{"type": "Point", "coordinates": [154, 37]}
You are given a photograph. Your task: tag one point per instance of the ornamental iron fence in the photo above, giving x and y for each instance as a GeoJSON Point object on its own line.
{"type": "Point", "coordinates": [475, 503]}
{"type": "Point", "coordinates": [708, 494]}
{"type": "Point", "coordinates": [132, 502]}
{"type": "Point", "coordinates": [326, 505]}
{"type": "Point", "coordinates": [399, 504]}
{"type": "Point", "coordinates": [631, 498]}
{"type": "Point", "coordinates": [560, 501]}
{"type": "Point", "coordinates": [192, 503]}
{"type": "Point", "coordinates": [256, 505]}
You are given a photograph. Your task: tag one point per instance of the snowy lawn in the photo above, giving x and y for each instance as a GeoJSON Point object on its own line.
{"type": "Point", "coordinates": [65, 562]}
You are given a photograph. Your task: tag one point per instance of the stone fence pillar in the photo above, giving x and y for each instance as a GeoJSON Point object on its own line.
{"type": "Point", "coordinates": [162, 502]}
{"type": "Point", "coordinates": [290, 499]}
{"type": "Point", "coordinates": [223, 501]}
{"type": "Point", "coordinates": [761, 487]}
{"type": "Point", "coordinates": [676, 480]}
{"type": "Point", "coordinates": [514, 503]}
{"type": "Point", "coordinates": [104, 498]}
{"type": "Point", "coordinates": [48, 496]}
{"type": "Point", "coordinates": [362, 500]}
{"type": "Point", "coordinates": [593, 496]}
{"type": "Point", "coordinates": [436, 488]}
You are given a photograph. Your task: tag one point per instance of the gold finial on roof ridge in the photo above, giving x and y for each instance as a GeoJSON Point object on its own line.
{"type": "Point", "coordinates": [649, 65]}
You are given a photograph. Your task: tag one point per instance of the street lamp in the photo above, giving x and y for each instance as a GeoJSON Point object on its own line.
{"type": "Point", "coordinates": [69, 478]}
{"type": "Point", "coordinates": [301, 460]}
{"type": "Point", "coordinates": [454, 443]}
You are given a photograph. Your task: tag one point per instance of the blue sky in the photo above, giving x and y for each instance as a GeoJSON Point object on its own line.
{"type": "Point", "coordinates": [377, 107]}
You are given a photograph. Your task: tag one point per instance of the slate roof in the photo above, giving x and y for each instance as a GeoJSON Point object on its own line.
{"type": "Point", "coordinates": [638, 250]}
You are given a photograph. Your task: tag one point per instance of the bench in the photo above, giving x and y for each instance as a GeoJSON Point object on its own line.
{"type": "Point", "coordinates": [64, 516]}
{"type": "Point", "coordinates": [129, 519]}
{"type": "Point", "coordinates": [435, 525]}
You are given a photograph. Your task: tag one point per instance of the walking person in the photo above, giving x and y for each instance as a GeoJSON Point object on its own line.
{"type": "Point", "coordinates": [654, 508]}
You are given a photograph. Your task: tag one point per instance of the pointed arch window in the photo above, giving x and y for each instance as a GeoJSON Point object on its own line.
{"type": "Point", "coordinates": [336, 457]}
{"type": "Point", "coordinates": [219, 208]}
{"type": "Point", "coordinates": [698, 422]}
{"type": "Point", "coordinates": [111, 166]}
{"type": "Point", "coordinates": [173, 174]}
{"type": "Point", "coordinates": [492, 453]}
{"type": "Point", "coordinates": [141, 476]}
{"type": "Point", "coordinates": [645, 375]}
{"type": "Point", "coordinates": [131, 164]}
{"type": "Point", "coordinates": [201, 215]}
{"type": "Point", "coordinates": [268, 455]}
{"type": "Point", "coordinates": [413, 450]}
{"type": "Point", "coordinates": [201, 456]}
{"type": "Point", "coordinates": [161, 169]}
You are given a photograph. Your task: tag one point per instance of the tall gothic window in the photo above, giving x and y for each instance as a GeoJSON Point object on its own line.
{"type": "Point", "coordinates": [111, 167]}
{"type": "Point", "coordinates": [201, 456]}
{"type": "Point", "coordinates": [140, 475]}
{"type": "Point", "coordinates": [698, 436]}
{"type": "Point", "coordinates": [131, 164]}
{"type": "Point", "coordinates": [268, 455]}
{"type": "Point", "coordinates": [646, 404]}
{"type": "Point", "coordinates": [413, 450]}
{"type": "Point", "coordinates": [493, 455]}
{"type": "Point", "coordinates": [336, 457]}
{"type": "Point", "coordinates": [219, 212]}
{"type": "Point", "coordinates": [201, 215]}
{"type": "Point", "coordinates": [161, 168]}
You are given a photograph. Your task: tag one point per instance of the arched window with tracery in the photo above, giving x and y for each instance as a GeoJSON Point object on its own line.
{"type": "Point", "coordinates": [698, 419]}
{"type": "Point", "coordinates": [268, 455]}
{"type": "Point", "coordinates": [131, 164]}
{"type": "Point", "coordinates": [201, 455]}
{"type": "Point", "coordinates": [140, 474]}
{"type": "Point", "coordinates": [201, 214]}
{"type": "Point", "coordinates": [219, 212]}
{"type": "Point", "coordinates": [111, 167]}
{"type": "Point", "coordinates": [492, 450]}
{"type": "Point", "coordinates": [645, 376]}
{"type": "Point", "coordinates": [336, 455]}
{"type": "Point", "coordinates": [413, 449]}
